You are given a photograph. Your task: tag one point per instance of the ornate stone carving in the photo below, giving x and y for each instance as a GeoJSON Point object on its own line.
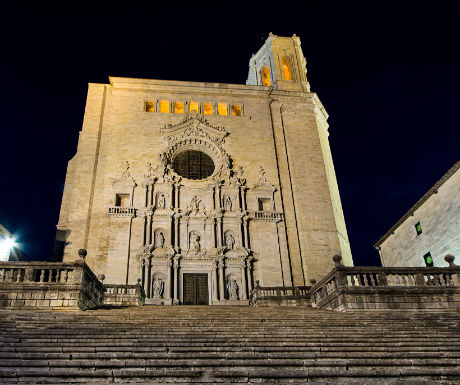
{"type": "Point", "coordinates": [227, 203]}
{"type": "Point", "coordinates": [159, 239]}
{"type": "Point", "coordinates": [194, 242]}
{"type": "Point", "coordinates": [161, 201]}
{"type": "Point", "coordinates": [232, 288]}
{"type": "Point", "coordinates": [157, 287]}
{"type": "Point", "coordinates": [229, 240]}
{"type": "Point", "coordinates": [125, 175]}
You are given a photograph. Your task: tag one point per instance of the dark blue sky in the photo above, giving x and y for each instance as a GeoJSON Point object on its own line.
{"type": "Point", "coordinates": [387, 74]}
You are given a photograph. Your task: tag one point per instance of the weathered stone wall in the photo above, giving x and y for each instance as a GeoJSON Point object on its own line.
{"type": "Point", "coordinates": [280, 143]}
{"type": "Point", "coordinates": [439, 217]}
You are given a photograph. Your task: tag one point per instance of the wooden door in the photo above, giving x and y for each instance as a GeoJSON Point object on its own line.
{"type": "Point", "coordinates": [196, 289]}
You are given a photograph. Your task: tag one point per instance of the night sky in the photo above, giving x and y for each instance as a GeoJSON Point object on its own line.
{"type": "Point", "coordinates": [387, 74]}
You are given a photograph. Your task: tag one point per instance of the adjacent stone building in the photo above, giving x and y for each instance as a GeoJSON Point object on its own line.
{"type": "Point", "coordinates": [429, 230]}
{"type": "Point", "coordinates": [200, 189]}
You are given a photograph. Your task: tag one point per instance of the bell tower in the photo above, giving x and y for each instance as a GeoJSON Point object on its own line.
{"type": "Point", "coordinates": [279, 64]}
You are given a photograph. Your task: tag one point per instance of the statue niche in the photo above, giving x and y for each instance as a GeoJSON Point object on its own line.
{"type": "Point", "coordinates": [229, 240]}
{"type": "Point", "coordinates": [157, 286]}
{"type": "Point", "coordinates": [194, 242]}
{"type": "Point", "coordinates": [232, 288]}
{"type": "Point", "coordinates": [161, 201]}
{"type": "Point", "coordinates": [159, 239]}
{"type": "Point", "coordinates": [227, 203]}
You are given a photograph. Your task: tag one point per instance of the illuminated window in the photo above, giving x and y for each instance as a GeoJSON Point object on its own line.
{"type": "Point", "coordinates": [418, 228]}
{"type": "Point", "coordinates": [178, 108]}
{"type": "Point", "coordinates": [286, 69]}
{"type": "Point", "coordinates": [164, 106]}
{"type": "Point", "coordinates": [236, 110]}
{"type": "Point", "coordinates": [222, 109]}
{"type": "Point", "coordinates": [150, 106]}
{"type": "Point", "coordinates": [428, 259]}
{"type": "Point", "coordinates": [207, 108]}
{"type": "Point", "coordinates": [194, 107]}
{"type": "Point", "coordinates": [265, 76]}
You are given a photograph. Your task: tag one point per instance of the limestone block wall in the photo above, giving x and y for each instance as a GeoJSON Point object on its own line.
{"type": "Point", "coordinates": [439, 217]}
{"type": "Point", "coordinates": [278, 131]}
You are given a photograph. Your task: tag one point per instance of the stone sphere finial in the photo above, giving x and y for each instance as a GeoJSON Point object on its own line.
{"type": "Point", "coordinates": [313, 281]}
{"type": "Point", "coordinates": [101, 277]}
{"type": "Point", "coordinates": [337, 259]}
{"type": "Point", "coordinates": [449, 258]}
{"type": "Point", "coordinates": [82, 253]}
{"type": "Point", "coordinates": [139, 281]}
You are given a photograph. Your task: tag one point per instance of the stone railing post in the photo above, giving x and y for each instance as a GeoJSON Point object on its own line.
{"type": "Point", "coordinates": [340, 275]}
{"type": "Point", "coordinates": [449, 258]}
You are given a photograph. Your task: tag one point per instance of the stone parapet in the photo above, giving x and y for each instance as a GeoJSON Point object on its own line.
{"type": "Point", "coordinates": [280, 296]}
{"type": "Point", "coordinates": [365, 288]}
{"type": "Point", "coordinates": [124, 295]}
{"type": "Point", "coordinates": [49, 284]}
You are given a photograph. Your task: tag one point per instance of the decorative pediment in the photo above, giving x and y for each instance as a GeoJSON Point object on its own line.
{"type": "Point", "coordinates": [264, 183]}
{"type": "Point", "coordinates": [194, 126]}
{"type": "Point", "coordinates": [125, 178]}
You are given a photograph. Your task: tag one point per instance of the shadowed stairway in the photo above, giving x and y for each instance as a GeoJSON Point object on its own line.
{"type": "Point", "coordinates": [205, 344]}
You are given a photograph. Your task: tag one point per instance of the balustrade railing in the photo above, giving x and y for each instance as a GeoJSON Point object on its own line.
{"type": "Point", "coordinates": [36, 272]}
{"type": "Point", "coordinates": [121, 211]}
{"type": "Point", "coordinates": [124, 294]}
{"type": "Point", "coordinates": [267, 216]}
{"type": "Point", "coordinates": [367, 279]}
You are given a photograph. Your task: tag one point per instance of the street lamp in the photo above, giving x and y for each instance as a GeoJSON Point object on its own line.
{"type": "Point", "coordinates": [6, 245]}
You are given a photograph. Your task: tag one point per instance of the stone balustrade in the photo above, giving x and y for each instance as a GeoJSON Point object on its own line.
{"type": "Point", "coordinates": [121, 211]}
{"type": "Point", "coordinates": [276, 296]}
{"type": "Point", "coordinates": [267, 216]}
{"type": "Point", "coordinates": [50, 284]}
{"type": "Point", "coordinates": [124, 295]}
{"type": "Point", "coordinates": [353, 288]}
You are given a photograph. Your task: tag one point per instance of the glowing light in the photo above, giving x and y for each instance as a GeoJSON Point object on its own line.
{"type": "Point", "coordinates": [265, 76]}
{"type": "Point", "coordinates": [222, 109]}
{"type": "Point", "coordinates": [164, 106]}
{"type": "Point", "coordinates": [6, 244]}
{"type": "Point", "coordinates": [150, 106]}
{"type": "Point", "coordinates": [286, 69]}
{"type": "Point", "coordinates": [194, 107]}
{"type": "Point", "coordinates": [207, 109]}
{"type": "Point", "coordinates": [178, 108]}
{"type": "Point", "coordinates": [236, 110]}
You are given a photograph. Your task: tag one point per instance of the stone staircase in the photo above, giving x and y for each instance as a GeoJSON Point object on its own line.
{"type": "Point", "coordinates": [225, 344]}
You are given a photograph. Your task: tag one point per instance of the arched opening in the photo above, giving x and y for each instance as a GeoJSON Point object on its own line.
{"type": "Point", "coordinates": [265, 76]}
{"type": "Point", "coordinates": [286, 68]}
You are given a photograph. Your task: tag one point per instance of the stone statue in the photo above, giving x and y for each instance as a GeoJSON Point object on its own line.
{"type": "Point", "coordinates": [227, 203]}
{"type": "Point", "coordinates": [262, 176]}
{"type": "Point", "coordinates": [239, 175]}
{"type": "Point", "coordinates": [232, 287]}
{"type": "Point", "coordinates": [194, 242]}
{"type": "Point", "coordinates": [229, 241]}
{"type": "Point", "coordinates": [158, 288]}
{"type": "Point", "coordinates": [161, 202]}
{"type": "Point", "coordinates": [159, 240]}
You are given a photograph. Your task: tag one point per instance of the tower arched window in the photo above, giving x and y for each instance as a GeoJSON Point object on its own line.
{"type": "Point", "coordinates": [266, 76]}
{"type": "Point", "coordinates": [286, 65]}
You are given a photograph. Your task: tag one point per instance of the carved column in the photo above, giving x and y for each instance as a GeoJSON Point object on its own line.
{"type": "Point", "coordinates": [176, 279]}
{"type": "Point", "coordinates": [243, 198]}
{"type": "Point", "coordinates": [169, 283]}
{"type": "Point", "coordinates": [176, 195]}
{"type": "Point", "coordinates": [238, 197]}
{"type": "Point", "coordinates": [144, 238]}
{"type": "Point", "coordinates": [219, 231]}
{"type": "Point", "coordinates": [221, 280]}
{"type": "Point", "coordinates": [249, 269]}
{"type": "Point", "coordinates": [219, 197]}
{"type": "Point", "coordinates": [146, 193]}
{"type": "Point", "coordinates": [149, 229]}
{"type": "Point", "coordinates": [214, 282]}
{"type": "Point", "coordinates": [171, 193]}
{"type": "Point", "coordinates": [212, 190]}
{"type": "Point", "coordinates": [246, 232]}
{"type": "Point", "coordinates": [243, 281]}
{"type": "Point", "coordinates": [176, 234]}
{"type": "Point", "coordinates": [213, 231]}
{"type": "Point", "coordinates": [152, 195]}
{"type": "Point", "coordinates": [240, 232]}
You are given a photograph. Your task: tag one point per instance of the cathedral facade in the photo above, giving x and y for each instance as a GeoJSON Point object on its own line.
{"type": "Point", "coordinates": [198, 190]}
